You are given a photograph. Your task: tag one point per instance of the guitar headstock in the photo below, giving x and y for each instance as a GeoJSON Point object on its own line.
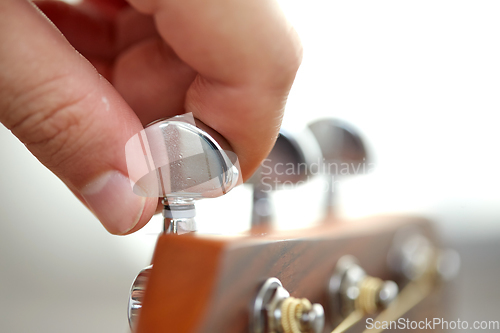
{"type": "Point", "coordinates": [330, 276]}
{"type": "Point", "coordinates": [210, 284]}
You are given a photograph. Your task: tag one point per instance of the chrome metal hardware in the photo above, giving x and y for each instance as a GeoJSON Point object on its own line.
{"type": "Point", "coordinates": [136, 296]}
{"type": "Point", "coordinates": [412, 255]}
{"type": "Point", "coordinates": [344, 153]}
{"type": "Point", "coordinates": [267, 311]}
{"type": "Point", "coordinates": [351, 289]}
{"type": "Point", "coordinates": [177, 161]}
{"type": "Point", "coordinates": [297, 151]}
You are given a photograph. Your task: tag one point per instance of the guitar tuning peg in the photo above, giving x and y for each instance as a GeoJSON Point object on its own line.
{"type": "Point", "coordinates": [421, 266]}
{"type": "Point", "coordinates": [344, 153]}
{"type": "Point", "coordinates": [275, 311]}
{"type": "Point", "coordinates": [288, 163]}
{"type": "Point", "coordinates": [176, 160]}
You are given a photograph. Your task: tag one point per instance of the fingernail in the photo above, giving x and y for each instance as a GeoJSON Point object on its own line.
{"type": "Point", "coordinates": [111, 199]}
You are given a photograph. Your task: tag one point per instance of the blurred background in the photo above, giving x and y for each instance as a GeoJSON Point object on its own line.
{"type": "Point", "coordinates": [419, 80]}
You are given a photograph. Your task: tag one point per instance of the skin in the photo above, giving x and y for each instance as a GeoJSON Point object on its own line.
{"type": "Point", "coordinates": [74, 90]}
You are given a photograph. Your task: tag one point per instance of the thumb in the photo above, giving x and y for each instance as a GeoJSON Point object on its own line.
{"type": "Point", "coordinates": [68, 116]}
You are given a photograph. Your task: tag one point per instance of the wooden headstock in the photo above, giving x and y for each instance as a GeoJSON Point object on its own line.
{"type": "Point", "coordinates": [209, 283]}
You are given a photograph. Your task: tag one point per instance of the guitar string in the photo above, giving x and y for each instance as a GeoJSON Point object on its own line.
{"type": "Point", "coordinates": [409, 297]}
{"type": "Point", "coordinates": [292, 308]}
{"type": "Point", "coordinates": [365, 303]}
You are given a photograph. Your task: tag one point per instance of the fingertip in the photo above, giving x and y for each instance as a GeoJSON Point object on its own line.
{"type": "Point", "coordinates": [150, 209]}
{"type": "Point", "coordinates": [111, 198]}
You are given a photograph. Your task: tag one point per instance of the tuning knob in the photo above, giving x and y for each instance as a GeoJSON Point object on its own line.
{"type": "Point", "coordinates": [289, 163]}
{"type": "Point", "coordinates": [344, 153]}
{"type": "Point", "coordinates": [176, 160]}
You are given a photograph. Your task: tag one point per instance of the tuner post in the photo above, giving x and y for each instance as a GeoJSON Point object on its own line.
{"type": "Point", "coordinates": [275, 311]}
{"type": "Point", "coordinates": [178, 218]}
{"type": "Point", "coordinates": [355, 293]}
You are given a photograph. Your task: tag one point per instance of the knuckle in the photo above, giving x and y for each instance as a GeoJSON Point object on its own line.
{"type": "Point", "coordinates": [47, 117]}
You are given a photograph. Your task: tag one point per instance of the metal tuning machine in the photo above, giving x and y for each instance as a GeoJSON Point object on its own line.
{"type": "Point", "coordinates": [179, 162]}
{"type": "Point", "coordinates": [413, 256]}
{"type": "Point", "coordinates": [353, 293]}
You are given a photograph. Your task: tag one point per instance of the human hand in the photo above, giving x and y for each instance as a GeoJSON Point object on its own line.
{"type": "Point", "coordinates": [230, 63]}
